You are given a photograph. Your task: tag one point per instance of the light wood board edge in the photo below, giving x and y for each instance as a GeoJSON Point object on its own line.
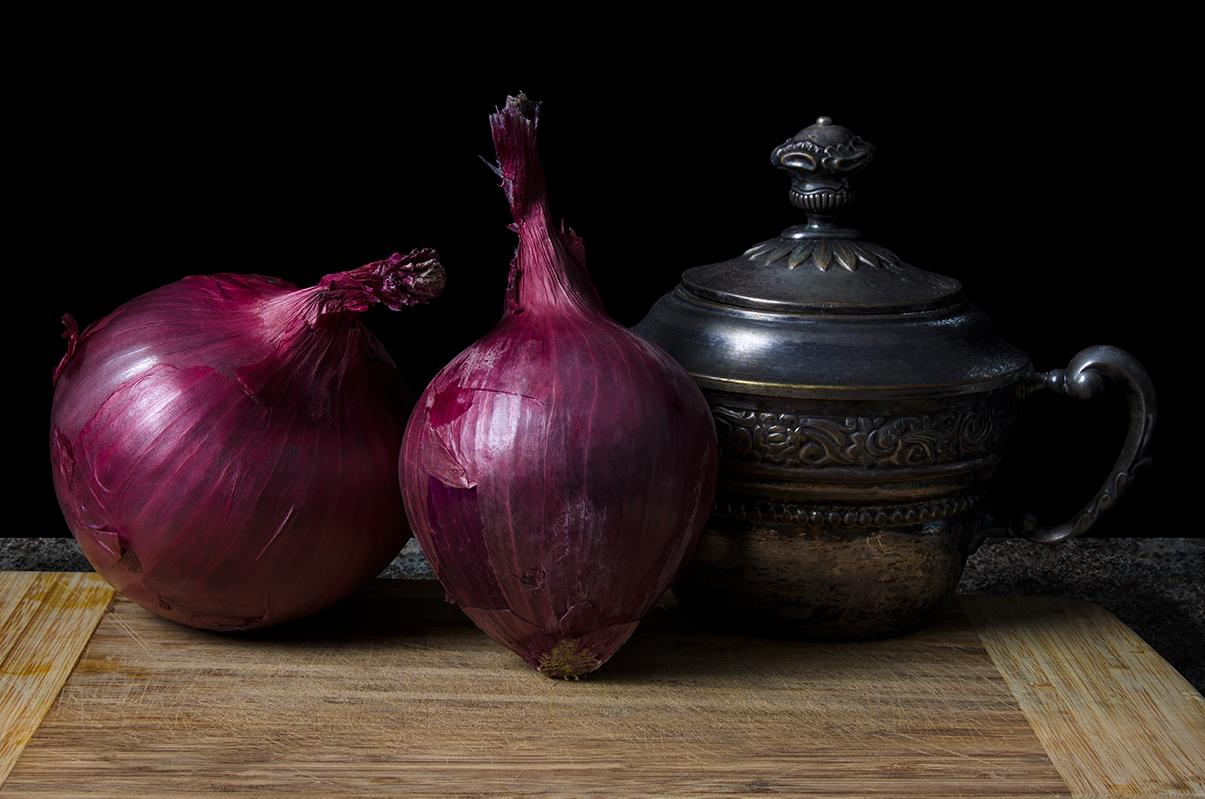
{"type": "Point", "coordinates": [46, 618]}
{"type": "Point", "coordinates": [1115, 718]}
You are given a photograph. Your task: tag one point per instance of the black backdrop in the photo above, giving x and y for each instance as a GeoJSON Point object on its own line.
{"type": "Point", "coordinates": [1048, 194]}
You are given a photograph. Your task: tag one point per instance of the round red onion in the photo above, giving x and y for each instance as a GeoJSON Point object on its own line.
{"type": "Point", "coordinates": [225, 447]}
{"type": "Point", "coordinates": [558, 472]}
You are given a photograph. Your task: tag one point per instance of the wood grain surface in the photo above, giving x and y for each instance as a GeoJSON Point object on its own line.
{"type": "Point", "coordinates": [395, 693]}
{"type": "Point", "coordinates": [1114, 717]}
{"type": "Point", "coordinates": [45, 621]}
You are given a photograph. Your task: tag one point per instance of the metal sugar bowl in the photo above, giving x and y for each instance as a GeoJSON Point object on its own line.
{"type": "Point", "coordinates": [862, 406]}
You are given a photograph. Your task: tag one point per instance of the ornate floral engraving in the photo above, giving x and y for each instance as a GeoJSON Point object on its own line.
{"type": "Point", "coordinates": [865, 441]}
{"type": "Point", "coordinates": [824, 253]}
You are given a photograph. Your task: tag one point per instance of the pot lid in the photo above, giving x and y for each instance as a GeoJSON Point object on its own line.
{"type": "Point", "coordinates": [821, 266]}
{"type": "Point", "coordinates": [821, 311]}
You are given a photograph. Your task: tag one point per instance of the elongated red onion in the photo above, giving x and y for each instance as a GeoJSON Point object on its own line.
{"type": "Point", "coordinates": [557, 472]}
{"type": "Point", "coordinates": [225, 447]}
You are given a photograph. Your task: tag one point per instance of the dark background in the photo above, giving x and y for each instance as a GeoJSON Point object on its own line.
{"type": "Point", "coordinates": [1047, 184]}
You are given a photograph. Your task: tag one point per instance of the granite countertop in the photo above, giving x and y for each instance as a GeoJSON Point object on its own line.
{"type": "Point", "coordinates": [1155, 585]}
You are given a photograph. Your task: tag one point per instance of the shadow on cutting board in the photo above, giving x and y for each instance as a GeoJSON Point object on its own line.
{"type": "Point", "coordinates": [670, 647]}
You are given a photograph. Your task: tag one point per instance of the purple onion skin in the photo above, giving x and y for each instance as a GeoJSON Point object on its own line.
{"type": "Point", "coordinates": [557, 472]}
{"type": "Point", "coordinates": [224, 447]}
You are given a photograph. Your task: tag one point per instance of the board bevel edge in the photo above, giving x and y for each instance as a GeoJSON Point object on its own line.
{"type": "Point", "coordinates": [46, 621]}
{"type": "Point", "coordinates": [1064, 661]}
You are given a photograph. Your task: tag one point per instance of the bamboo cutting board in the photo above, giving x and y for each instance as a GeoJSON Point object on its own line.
{"type": "Point", "coordinates": [394, 692]}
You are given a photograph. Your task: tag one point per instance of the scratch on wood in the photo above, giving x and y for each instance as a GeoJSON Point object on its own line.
{"type": "Point", "coordinates": [128, 630]}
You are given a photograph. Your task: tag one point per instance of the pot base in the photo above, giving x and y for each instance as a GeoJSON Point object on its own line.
{"type": "Point", "coordinates": [825, 583]}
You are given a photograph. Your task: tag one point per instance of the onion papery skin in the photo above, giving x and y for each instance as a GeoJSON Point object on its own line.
{"type": "Point", "coordinates": [224, 447]}
{"type": "Point", "coordinates": [558, 472]}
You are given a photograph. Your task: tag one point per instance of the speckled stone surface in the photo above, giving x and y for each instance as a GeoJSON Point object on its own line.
{"type": "Point", "coordinates": [1155, 585]}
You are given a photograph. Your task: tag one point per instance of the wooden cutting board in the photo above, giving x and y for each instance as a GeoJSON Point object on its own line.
{"type": "Point", "coordinates": [394, 692]}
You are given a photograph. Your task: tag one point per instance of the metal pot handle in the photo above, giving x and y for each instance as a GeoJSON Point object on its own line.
{"type": "Point", "coordinates": [1088, 374]}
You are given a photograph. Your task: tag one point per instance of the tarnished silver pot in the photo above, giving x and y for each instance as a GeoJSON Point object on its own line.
{"type": "Point", "coordinates": [862, 406]}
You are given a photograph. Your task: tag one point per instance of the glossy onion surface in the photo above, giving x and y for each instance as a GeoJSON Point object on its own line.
{"type": "Point", "coordinates": [224, 448]}
{"type": "Point", "coordinates": [557, 472]}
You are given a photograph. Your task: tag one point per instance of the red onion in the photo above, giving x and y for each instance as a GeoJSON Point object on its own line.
{"type": "Point", "coordinates": [557, 472]}
{"type": "Point", "coordinates": [225, 447]}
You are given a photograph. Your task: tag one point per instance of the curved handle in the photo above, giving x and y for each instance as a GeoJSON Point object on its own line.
{"type": "Point", "coordinates": [1088, 374]}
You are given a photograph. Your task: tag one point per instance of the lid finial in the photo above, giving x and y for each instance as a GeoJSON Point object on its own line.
{"type": "Point", "coordinates": [823, 160]}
